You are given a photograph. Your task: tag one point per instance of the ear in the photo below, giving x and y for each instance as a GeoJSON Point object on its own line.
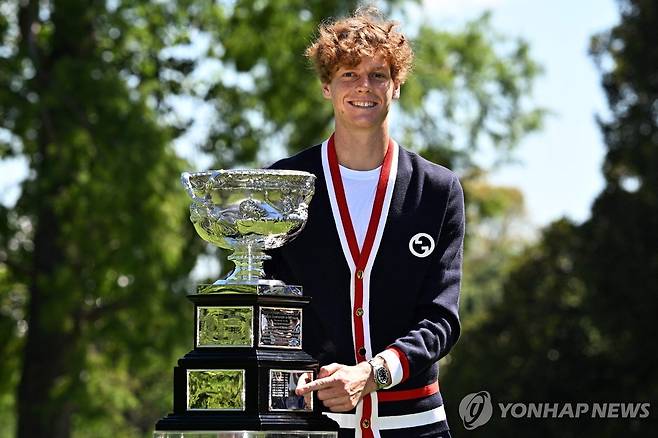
{"type": "Point", "coordinates": [396, 91]}
{"type": "Point", "coordinates": [326, 91]}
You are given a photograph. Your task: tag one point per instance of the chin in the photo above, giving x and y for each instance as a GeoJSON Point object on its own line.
{"type": "Point", "coordinates": [367, 124]}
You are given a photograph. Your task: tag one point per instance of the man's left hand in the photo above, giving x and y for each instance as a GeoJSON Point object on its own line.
{"type": "Point", "coordinates": [340, 387]}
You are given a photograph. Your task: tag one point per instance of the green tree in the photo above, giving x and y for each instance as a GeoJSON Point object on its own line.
{"type": "Point", "coordinates": [96, 248]}
{"type": "Point", "coordinates": [96, 254]}
{"type": "Point", "coordinates": [470, 89]}
{"type": "Point", "coordinates": [533, 343]}
{"type": "Point", "coordinates": [574, 320]}
{"type": "Point", "coordinates": [496, 233]}
{"type": "Point", "coordinates": [620, 254]}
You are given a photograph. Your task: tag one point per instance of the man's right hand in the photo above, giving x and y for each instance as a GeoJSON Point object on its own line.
{"type": "Point", "coordinates": [340, 387]}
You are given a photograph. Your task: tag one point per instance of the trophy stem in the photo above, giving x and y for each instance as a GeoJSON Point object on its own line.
{"type": "Point", "coordinates": [248, 265]}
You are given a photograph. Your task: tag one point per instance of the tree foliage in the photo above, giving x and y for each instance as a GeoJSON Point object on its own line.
{"type": "Point", "coordinates": [574, 318]}
{"type": "Point", "coordinates": [95, 256]}
{"type": "Point", "coordinates": [469, 89]}
{"type": "Point", "coordinates": [620, 255]}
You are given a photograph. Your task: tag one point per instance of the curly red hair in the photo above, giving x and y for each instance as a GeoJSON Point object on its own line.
{"type": "Point", "coordinates": [344, 42]}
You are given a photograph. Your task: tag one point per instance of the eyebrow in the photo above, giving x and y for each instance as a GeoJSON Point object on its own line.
{"type": "Point", "coordinates": [377, 67]}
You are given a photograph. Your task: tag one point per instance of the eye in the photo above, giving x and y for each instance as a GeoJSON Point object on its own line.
{"type": "Point", "coordinates": [348, 74]}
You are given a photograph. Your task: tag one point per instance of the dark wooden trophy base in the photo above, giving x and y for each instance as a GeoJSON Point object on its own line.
{"type": "Point", "coordinates": [239, 380]}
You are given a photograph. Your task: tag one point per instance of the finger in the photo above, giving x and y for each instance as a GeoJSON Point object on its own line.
{"type": "Point", "coordinates": [331, 392]}
{"type": "Point", "coordinates": [314, 385]}
{"type": "Point", "coordinates": [304, 378]}
{"type": "Point", "coordinates": [328, 370]}
{"type": "Point", "coordinates": [335, 402]}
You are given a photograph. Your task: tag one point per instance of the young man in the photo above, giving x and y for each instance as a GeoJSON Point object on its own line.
{"type": "Point", "coordinates": [381, 252]}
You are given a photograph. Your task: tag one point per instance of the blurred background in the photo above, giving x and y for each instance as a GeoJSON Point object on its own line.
{"type": "Point", "coordinates": [548, 111]}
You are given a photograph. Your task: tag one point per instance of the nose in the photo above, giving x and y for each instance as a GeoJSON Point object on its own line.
{"type": "Point", "coordinates": [363, 84]}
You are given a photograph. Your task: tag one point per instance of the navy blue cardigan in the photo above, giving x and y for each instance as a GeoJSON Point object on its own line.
{"type": "Point", "coordinates": [402, 303]}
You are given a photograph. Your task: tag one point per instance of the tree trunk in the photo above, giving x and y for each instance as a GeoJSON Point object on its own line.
{"type": "Point", "coordinates": [49, 346]}
{"type": "Point", "coordinates": [42, 406]}
{"type": "Point", "coordinates": [48, 368]}
{"type": "Point", "coordinates": [39, 413]}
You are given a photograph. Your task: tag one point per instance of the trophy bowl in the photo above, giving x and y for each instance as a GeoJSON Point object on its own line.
{"type": "Point", "coordinates": [249, 211]}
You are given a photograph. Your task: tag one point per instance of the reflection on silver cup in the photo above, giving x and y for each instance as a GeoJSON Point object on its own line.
{"type": "Point", "coordinates": [224, 326]}
{"type": "Point", "coordinates": [249, 211]}
{"type": "Point", "coordinates": [215, 390]}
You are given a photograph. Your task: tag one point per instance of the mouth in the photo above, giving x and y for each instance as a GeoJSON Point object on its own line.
{"type": "Point", "coordinates": [362, 103]}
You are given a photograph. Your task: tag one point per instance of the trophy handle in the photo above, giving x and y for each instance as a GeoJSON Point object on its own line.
{"type": "Point", "coordinates": [187, 184]}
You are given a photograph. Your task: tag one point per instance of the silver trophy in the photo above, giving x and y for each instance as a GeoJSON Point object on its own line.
{"type": "Point", "coordinates": [240, 379]}
{"type": "Point", "coordinates": [249, 211]}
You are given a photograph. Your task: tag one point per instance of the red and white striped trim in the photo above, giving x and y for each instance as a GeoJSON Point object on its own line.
{"type": "Point", "coordinates": [360, 262]}
{"type": "Point", "coordinates": [408, 394]}
{"type": "Point", "coordinates": [349, 421]}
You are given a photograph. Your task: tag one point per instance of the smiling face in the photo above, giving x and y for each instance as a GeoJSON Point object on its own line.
{"type": "Point", "coordinates": [362, 95]}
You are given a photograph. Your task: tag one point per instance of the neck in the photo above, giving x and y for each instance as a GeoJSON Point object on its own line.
{"type": "Point", "coordinates": [363, 150]}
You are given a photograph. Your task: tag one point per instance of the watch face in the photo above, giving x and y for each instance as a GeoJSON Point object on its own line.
{"type": "Point", "coordinates": [382, 376]}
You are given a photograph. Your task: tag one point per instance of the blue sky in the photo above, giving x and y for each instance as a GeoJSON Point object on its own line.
{"type": "Point", "coordinates": [559, 167]}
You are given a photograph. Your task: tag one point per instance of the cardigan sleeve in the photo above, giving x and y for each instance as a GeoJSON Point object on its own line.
{"type": "Point", "coordinates": [437, 328]}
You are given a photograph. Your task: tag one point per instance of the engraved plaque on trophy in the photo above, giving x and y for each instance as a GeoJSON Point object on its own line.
{"type": "Point", "coordinates": [282, 395]}
{"type": "Point", "coordinates": [280, 327]}
{"type": "Point", "coordinates": [240, 379]}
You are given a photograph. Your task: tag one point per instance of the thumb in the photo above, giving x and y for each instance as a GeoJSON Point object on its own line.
{"type": "Point", "coordinates": [328, 370]}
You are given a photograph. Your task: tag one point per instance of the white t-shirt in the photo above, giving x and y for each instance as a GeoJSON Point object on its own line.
{"type": "Point", "coordinates": [360, 188]}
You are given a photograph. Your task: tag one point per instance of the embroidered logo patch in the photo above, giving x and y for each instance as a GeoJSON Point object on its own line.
{"type": "Point", "coordinates": [421, 245]}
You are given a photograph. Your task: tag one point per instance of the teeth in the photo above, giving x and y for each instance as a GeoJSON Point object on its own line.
{"type": "Point", "coordinates": [363, 104]}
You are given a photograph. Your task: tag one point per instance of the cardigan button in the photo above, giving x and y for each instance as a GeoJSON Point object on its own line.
{"type": "Point", "coordinates": [359, 312]}
{"type": "Point", "coordinates": [359, 274]}
{"type": "Point", "coordinates": [362, 351]}
{"type": "Point", "coordinates": [365, 423]}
